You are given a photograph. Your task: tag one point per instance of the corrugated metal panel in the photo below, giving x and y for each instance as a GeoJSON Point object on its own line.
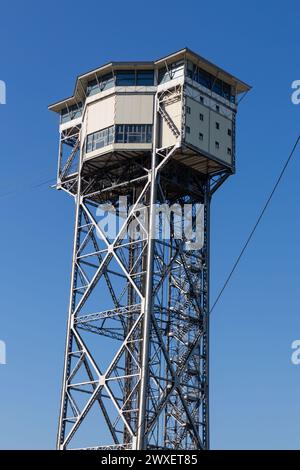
{"type": "Point", "coordinates": [134, 109]}
{"type": "Point", "coordinates": [100, 114]}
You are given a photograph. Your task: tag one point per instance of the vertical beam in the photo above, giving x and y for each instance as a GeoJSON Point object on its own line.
{"type": "Point", "coordinates": [69, 335]}
{"type": "Point", "coordinates": [148, 301]}
{"type": "Point", "coordinates": [205, 352]}
{"type": "Point", "coordinates": [59, 158]}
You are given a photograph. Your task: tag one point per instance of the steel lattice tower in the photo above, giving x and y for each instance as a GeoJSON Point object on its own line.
{"type": "Point", "coordinates": [136, 373]}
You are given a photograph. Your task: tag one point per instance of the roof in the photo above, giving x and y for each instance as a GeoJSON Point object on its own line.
{"type": "Point", "coordinates": [82, 80]}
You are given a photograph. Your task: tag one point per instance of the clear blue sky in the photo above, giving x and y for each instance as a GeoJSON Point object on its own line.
{"type": "Point", "coordinates": [43, 47]}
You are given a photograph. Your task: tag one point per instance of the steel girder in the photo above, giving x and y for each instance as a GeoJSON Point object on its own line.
{"type": "Point", "coordinates": [136, 357]}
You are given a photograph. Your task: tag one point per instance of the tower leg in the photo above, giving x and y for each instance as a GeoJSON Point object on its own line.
{"type": "Point", "coordinates": [136, 371]}
{"type": "Point", "coordinates": [148, 301]}
{"type": "Point", "coordinates": [69, 334]}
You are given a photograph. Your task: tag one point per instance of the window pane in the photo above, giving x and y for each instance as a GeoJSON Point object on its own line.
{"type": "Point", "coordinates": [111, 135]}
{"type": "Point", "coordinates": [226, 90]}
{"type": "Point", "coordinates": [217, 87]}
{"type": "Point", "coordinates": [209, 81]}
{"type": "Point", "coordinates": [174, 70]}
{"type": "Point", "coordinates": [89, 143]}
{"type": "Point", "coordinates": [145, 77]}
{"type": "Point", "coordinates": [72, 112]}
{"type": "Point", "coordinates": [100, 139]}
{"type": "Point", "coordinates": [121, 133]}
{"type": "Point", "coordinates": [149, 133]}
{"type": "Point", "coordinates": [204, 78]}
{"type": "Point", "coordinates": [92, 88]}
{"type": "Point", "coordinates": [107, 81]}
{"type": "Point", "coordinates": [125, 78]}
{"type": "Point", "coordinates": [104, 82]}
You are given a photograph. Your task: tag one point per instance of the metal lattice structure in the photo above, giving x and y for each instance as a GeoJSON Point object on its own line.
{"type": "Point", "coordinates": [137, 349]}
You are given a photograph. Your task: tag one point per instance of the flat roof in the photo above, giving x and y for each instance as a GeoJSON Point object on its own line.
{"type": "Point", "coordinates": [186, 53]}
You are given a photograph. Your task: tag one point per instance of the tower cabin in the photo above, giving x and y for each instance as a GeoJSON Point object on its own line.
{"type": "Point", "coordinates": [114, 112]}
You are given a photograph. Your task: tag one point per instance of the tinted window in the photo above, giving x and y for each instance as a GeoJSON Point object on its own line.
{"type": "Point", "coordinates": [125, 78]}
{"type": "Point", "coordinates": [145, 77]}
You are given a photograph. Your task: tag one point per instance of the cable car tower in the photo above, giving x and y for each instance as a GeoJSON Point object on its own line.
{"type": "Point", "coordinates": [142, 142]}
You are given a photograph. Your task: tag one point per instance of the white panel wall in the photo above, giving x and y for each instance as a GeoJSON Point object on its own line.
{"type": "Point", "coordinates": [221, 136]}
{"type": "Point", "coordinates": [208, 128]}
{"type": "Point", "coordinates": [134, 109]}
{"type": "Point", "coordinates": [197, 125]}
{"type": "Point", "coordinates": [100, 114]}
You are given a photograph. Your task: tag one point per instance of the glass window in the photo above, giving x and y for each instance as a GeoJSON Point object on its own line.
{"type": "Point", "coordinates": [201, 117]}
{"type": "Point", "coordinates": [188, 110]}
{"type": "Point", "coordinates": [229, 132]}
{"type": "Point", "coordinates": [204, 78]}
{"type": "Point", "coordinates": [217, 125]}
{"type": "Point", "coordinates": [132, 78]}
{"type": "Point", "coordinates": [120, 129]}
{"type": "Point", "coordinates": [92, 87]}
{"type": "Point", "coordinates": [190, 69]}
{"type": "Point", "coordinates": [226, 90]}
{"type": "Point", "coordinates": [188, 130]}
{"type": "Point", "coordinates": [133, 133]}
{"type": "Point", "coordinates": [125, 78]}
{"type": "Point", "coordinates": [100, 139]}
{"type": "Point", "coordinates": [122, 133]}
{"type": "Point", "coordinates": [149, 133]}
{"type": "Point", "coordinates": [145, 77]}
{"type": "Point", "coordinates": [217, 145]}
{"type": "Point", "coordinates": [210, 81]}
{"type": "Point", "coordinates": [101, 83]}
{"type": "Point", "coordinates": [200, 136]}
{"type": "Point", "coordinates": [107, 81]}
{"type": "Point", "coordinates": [217, 87]}
{"type": "Point", "coordinates": [229, 151]}
{"type": "Point", "coordinates": [170, 72]}
{"type": "Point", "coordinates": [71, 112]}
{"type": "Point", "coordinates": [111, 133]}
{"type": "Point", "coordinates": [89, 143]}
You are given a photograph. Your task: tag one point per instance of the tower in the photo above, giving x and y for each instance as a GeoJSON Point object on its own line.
{"type": "Point", "coordinates": [143, 146]}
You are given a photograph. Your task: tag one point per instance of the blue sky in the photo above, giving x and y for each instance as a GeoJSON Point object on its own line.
{"type": "Point", "coordinates": [254, 386]}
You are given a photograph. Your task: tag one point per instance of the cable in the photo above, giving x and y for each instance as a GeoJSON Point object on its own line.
{"type": "Point", "coordinates": [247, 240]}
{"type": "Point", "coordinates": [27, 188]}
{"type": "Point", "coordinates": [256, 224]}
